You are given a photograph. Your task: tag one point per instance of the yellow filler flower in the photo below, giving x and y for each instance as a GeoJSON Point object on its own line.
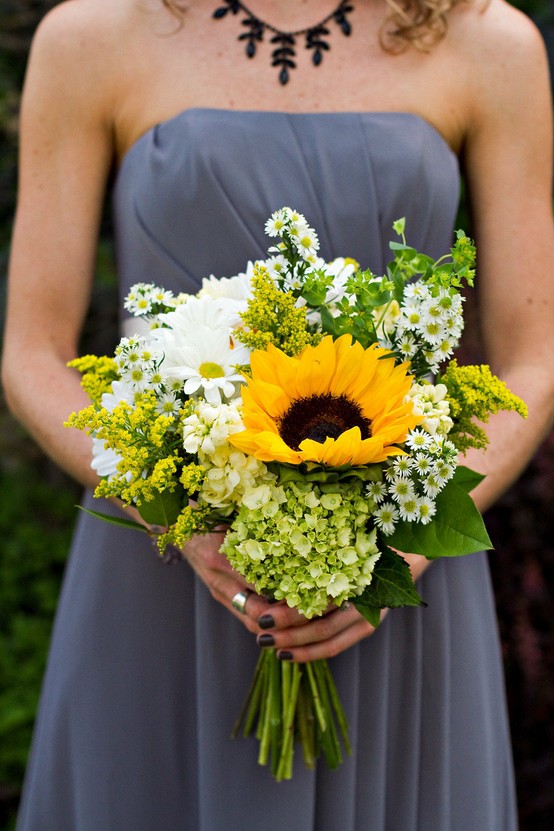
{"type": "Point", "coordinates": [336, 403]}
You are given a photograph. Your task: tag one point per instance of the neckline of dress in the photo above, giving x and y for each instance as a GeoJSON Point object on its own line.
{"type": "Point", "coordinates": [188, 111]}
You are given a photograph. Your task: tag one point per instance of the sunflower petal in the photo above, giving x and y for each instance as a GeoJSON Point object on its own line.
{"type": "Point", "coordinates": [315, 371]}
{"type": "Point", "coordinates": [265, 397]}
{"type": "Point", "coordinates": [264, 445]}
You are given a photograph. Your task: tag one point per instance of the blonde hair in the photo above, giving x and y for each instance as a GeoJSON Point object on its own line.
{"type": "Point", "coordinates": [417, 23]}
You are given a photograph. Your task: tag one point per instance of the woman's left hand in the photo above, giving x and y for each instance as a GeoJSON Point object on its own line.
{"type": "Point", "coordinates": [309, 640]}
{"type": "Point", "coordinates": [300, 640]}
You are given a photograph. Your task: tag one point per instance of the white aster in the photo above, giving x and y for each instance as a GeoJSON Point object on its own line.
{"type": "Point", "coordinates": [377, 491]}
{"type": "Point", "coordinates": [431, 486]}
{"type": "Point", "coordinates": [167, 403]}
{"type": "Point", "coordinates": [418, 439]}
{"type": "Point", "coordinates": [408, 508]}
{"type": "Point", "coordinates": [426, 509]}
{"type": "Point", "coordinates": [275, 225]}
{"type": "Point", "coordinates": [402, 466]}
{"type": "Point", "coordinates": [386, 517]}
{"type": "Point", "coordinates": [401, 489]}
{"type": "Point", "coordinates": [146, 298]}
{"type": "Point", "coordinates": [422, 464]}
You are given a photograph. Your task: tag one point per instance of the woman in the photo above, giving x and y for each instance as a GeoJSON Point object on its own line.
{"type": "Point", "coordinates": [149, 663]}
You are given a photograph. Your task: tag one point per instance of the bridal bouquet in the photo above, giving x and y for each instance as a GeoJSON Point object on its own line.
{"type": "Point", "coordinates": [315, 410]}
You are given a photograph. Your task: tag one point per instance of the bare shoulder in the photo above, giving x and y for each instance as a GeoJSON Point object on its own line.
{"type": "Point", "coordinates": [80, 46]}
{"type": "Point", "coordinates": [499, 44]}
{"type": "Point", "coordinates": [78, 29]}
{"type": "Point", "coordinates": [493, 21]}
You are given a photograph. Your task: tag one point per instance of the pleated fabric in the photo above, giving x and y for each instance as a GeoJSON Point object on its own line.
{"type": "Point", "coordinates": [147, 672]}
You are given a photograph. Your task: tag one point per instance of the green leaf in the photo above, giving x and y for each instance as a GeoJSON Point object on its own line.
{"type": "Point", "coordinates": [391, 586]}
{"type": "Point", "coordinates": [313, 472]}
{"type": "Point", "coordinates": [457, 529]}
{"type": "Point", "coordinates": [115, 520]}
{"type": "Point", "coordinates": [163, 509]}
{"type": "Point", "coordinates": [371, 614]}
{"type": "Point", "coordinates": [328, 322]}
{"type": "Point", "coordinates": [315, 295]}
{"type": "Point", "coordinates": [399, 225]}
{"type": "Point", "coordinates": [467, 478]}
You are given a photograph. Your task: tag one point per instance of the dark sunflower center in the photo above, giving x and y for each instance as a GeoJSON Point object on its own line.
{"type": "Point", "coordinates": [320, 417]}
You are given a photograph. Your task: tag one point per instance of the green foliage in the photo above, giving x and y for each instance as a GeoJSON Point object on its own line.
{"type": "Point", "coordinates": [391, 585]}
{"type": "Point", "coordinates": [460, 529]}
{"type": "Point", "coordinates": [35, 518]}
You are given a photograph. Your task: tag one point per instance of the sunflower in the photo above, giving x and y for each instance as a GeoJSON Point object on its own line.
{"type": "Point", "coordinates": [336, 403]}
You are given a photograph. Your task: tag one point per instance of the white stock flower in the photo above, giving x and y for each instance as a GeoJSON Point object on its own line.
{"type": "Point", "coordinates": [232, 477]}
{"type": "Point", "coordinates": [209, 427]}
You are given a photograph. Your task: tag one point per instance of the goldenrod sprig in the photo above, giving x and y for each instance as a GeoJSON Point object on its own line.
{"type": "Point", "coordinates": [475, 393]}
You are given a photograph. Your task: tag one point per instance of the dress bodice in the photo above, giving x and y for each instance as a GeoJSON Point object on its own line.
{"type": "Point", "coordinates": [193, 193]}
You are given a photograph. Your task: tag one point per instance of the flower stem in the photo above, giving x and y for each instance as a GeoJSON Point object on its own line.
{"type": "Point", "coordinates": [305, 724]}
{"type": "Point", "coordinates": [284, 768]}
{"type": "Point", "coordinates": [329, 739]}
{"type": "Point", "coordinates": [251, 703]}
{"type": "Point", "coordinates": [316, 698]}
{"type": "Point", "coordinates": [275, 710]}
{"type": "Point", "coordinates": [337, 706]}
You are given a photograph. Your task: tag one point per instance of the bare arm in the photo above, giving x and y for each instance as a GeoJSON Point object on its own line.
{"type": "Point", "coordinates": [509, 166]}
{"type": "Point", "coordinates": [65, 154]}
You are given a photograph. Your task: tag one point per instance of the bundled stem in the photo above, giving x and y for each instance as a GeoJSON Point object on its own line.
{"type": "Point", "coordinates": [293, 702]}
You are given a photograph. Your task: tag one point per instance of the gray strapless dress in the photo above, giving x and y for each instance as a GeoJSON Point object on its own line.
{"type": "Point", "coordinates": [147, 672]}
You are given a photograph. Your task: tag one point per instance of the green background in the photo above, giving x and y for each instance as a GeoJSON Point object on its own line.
{"type": "Point", "coordinates": [37, 512]}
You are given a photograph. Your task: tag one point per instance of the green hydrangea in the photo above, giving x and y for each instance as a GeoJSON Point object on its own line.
{"type": "Point", "coordinates": [305, 543]}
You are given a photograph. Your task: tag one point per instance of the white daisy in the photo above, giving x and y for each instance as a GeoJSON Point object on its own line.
{"type": "Point", "coordinates": [205, 361]}
{"type": "Point", "coordinates": [104, 459]}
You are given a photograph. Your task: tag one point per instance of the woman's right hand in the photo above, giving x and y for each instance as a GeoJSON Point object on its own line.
{"type": "Point", "coordinates": [222, 581]}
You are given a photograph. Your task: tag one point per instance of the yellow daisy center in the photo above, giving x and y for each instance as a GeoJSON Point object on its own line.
{"type": "Point", "coordinates": [211, 370]}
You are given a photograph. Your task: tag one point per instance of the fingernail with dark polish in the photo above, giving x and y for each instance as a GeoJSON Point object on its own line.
{"type": "Point", "coordinates": [283, 655]}
{"type": "Point", "coordinates": [266, 622]}
{"type": "Point", "coordinates": [266, 640]}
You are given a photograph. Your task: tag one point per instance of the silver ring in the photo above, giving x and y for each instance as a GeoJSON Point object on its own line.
{"type": "Point", "coordinates": [239, 601]}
